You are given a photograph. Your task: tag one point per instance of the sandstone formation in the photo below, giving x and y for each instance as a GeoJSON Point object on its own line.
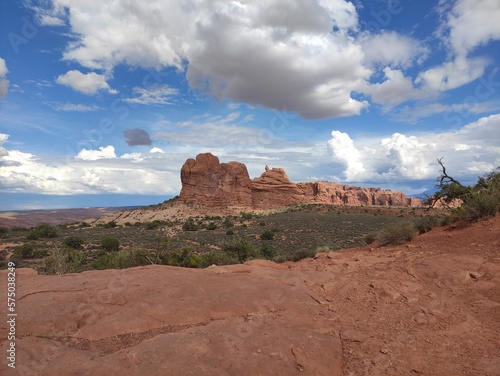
{"type": "Point", "coordinates": [208, 182]}
{"type": "Point", "coordinates": [429, 307]}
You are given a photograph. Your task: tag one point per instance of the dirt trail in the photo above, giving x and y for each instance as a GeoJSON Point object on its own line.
{"type": "Point", "coordinates": [431, 307]}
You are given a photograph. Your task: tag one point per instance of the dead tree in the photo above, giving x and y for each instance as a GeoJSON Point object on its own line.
{"type": "Point", "coordinates": [443, 181]}
{"type": "Point", "coordinates": [444, 178]}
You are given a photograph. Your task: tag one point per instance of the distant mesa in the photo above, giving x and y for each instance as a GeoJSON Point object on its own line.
{"type": "Point", "coordinates": [207, 182]}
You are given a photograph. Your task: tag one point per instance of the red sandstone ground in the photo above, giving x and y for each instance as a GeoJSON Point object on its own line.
{"type": "Point", "coordinates": [431, 307]}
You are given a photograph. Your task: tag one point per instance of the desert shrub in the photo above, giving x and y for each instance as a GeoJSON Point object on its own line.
{"type": "Point", "coordinates": [370, 237]}
{"type": "Point", "coordinates": [25, 251]}
{"type": "Point", "coordinates": [480, 204]}
{"type": "Point", "coordinates": [42, 231]}
{"type": "Point", "coordinates": [302, 254]}
{"type": "Point", "coordinates": [110, 244]}
{"type": "Point", "coordinates": [84, 225]}
{"type": "Point", "coordinates": [211, 226]}
{"type": "Point", "coordinates": [425, 224]}
{"type": "Point", "coordinates": [186, 257]}
{"type": "Point", "coordinates": [479, 201]}
{"type": "Point", "coordinates": [110, 224]}
{"type": "Point", "coordinates": [266, 252]}
{"type": "Point", "coordinates": [212, 217]}
{"type": "Point", "coordinates": [239, 248]}
{"type": "Point", "coordinates": [155, 224]}
{"type": "Point", "coordinates": [227, 223]}
{"type": "Point", "coordinates": [445, 221]}
{"type": "Point", "coordinates": [107, 261]}
{"type": "Point", "coordinates": [190, 225]}
{"type": "Point", "coordinates": [267, 235]}
{"type": "Point", "coordinates": [125, 258]}
{"type": "Point", "coordinates": [397, 233]}
{"type": "Point", "coordinates": [4, 232]}
{"type": "Point", "coordinates": [61, 261]}
{"type": "Point", "coordinates": [246, 215]}
{"type": "Point", "coordinates": [230, 232]}
{"type": "Point", "coordinates": [262, 223]}
{"type": "Point", "coordinates": [295, 256]}
{"type": "Point", "coordinates": [280, 259]}
{"type": "Point", "coordinates": [73, 241]}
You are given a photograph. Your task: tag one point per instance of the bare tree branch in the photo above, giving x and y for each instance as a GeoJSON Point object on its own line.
{"type": "Point", "coordinates": [444, 178]}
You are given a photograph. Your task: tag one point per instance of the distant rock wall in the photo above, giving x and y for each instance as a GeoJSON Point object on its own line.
{"type": "Point", "coordinates": [208, 182]}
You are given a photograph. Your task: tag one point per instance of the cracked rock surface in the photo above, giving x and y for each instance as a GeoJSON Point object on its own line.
{"type": "Point", "coordinates": [430, 307]}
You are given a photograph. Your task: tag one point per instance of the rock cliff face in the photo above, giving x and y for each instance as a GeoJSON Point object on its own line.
{"type": "Point", "coordinates": [208, 182]}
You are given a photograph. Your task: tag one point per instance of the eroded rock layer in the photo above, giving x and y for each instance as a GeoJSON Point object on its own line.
{"type": "Point", "coordinates": [207, 182]}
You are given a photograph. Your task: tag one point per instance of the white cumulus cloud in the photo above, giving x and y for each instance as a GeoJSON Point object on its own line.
{"type": "Point", "coordinates": [343, 149]}
{"type": "Point", "coordinates": [4, 83]}
{"type": "Point", "coordinates": [292, 55]}
{"type": "Point", "coordinates": [93, 155]}
{"type": "Point", "coordinates": [397, 158]}
{"type": "Point", "coordinates": [89, 83]}
{"type": "Point", "coordinates": [157, 94]}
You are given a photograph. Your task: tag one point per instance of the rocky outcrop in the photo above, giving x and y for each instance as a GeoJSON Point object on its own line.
{"type": "Point", "coordinates": [274, 189]}
{"type": "Point", "coordinates": [208, 182]}
{"type": "Point", "coordinates": [211, 183]}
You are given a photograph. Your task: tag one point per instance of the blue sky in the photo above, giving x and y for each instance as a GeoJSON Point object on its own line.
{"type": "Point", "coordinates": [101, 102]}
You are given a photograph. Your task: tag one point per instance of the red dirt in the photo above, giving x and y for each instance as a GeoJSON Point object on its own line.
{"type": "Point", "coordinates": [430, 307]}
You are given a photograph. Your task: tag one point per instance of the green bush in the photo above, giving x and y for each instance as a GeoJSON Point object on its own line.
{"type": "Point", "coordinates": [62, 261]}
{"type": "Point", "coordinates": [211, 226]}
{"type": "Point", "coordinates": [295, 256]}
{"type": "Point", "coordinates": [110, 224]}
{"type": "Point", "coordinates": [190, 225]}
{"type": "Point", "coordinates": [479, 201]}
{"type": "Point", "coordinates": [42, 231]}
{"type": "Point", "coordinates": [4, 232]}
{"type": "Point", "coordinates": [155, 224]}
{"type": "Point", "coordinates": [246, 215]}
{"type": "Point", "coordinates": [370, 237]}
{"type": "Point", "coordinates": [239, 248]}
{"type": "Point", "coordinates": [227, 223]}
{"type": "Point", "coordinates": [28, 250]}
{"type": "Point", "coordinates": [73, 241]}
{"type": "Point", "coordinates": [302, 254]}
{"type": "Point", "coordinates": [445, 221]}
{"type": "Point", "coordinates": [397, 233]}
{"type": "Point", "coordinates": [267, 235]}
{"type": "Point", "coordinates": [266, 252]}
{"type": "Point", "coordinates": [230, 232]}
{"type": "Point", "coordinates": [425, 224]}
{"type": "Point", "coordinates": [480, 204]}
{"type": "Point", "coordinates": [110, 244]}
{"type": "Point", "coordinates": [125, 258]}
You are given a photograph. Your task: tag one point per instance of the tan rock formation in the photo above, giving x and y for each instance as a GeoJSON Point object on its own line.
{"type": "Point", "coordinates": [208, 182]}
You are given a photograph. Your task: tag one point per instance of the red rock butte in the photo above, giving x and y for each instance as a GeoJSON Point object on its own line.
{"type": "Point", "coordinates": [207, 182]}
